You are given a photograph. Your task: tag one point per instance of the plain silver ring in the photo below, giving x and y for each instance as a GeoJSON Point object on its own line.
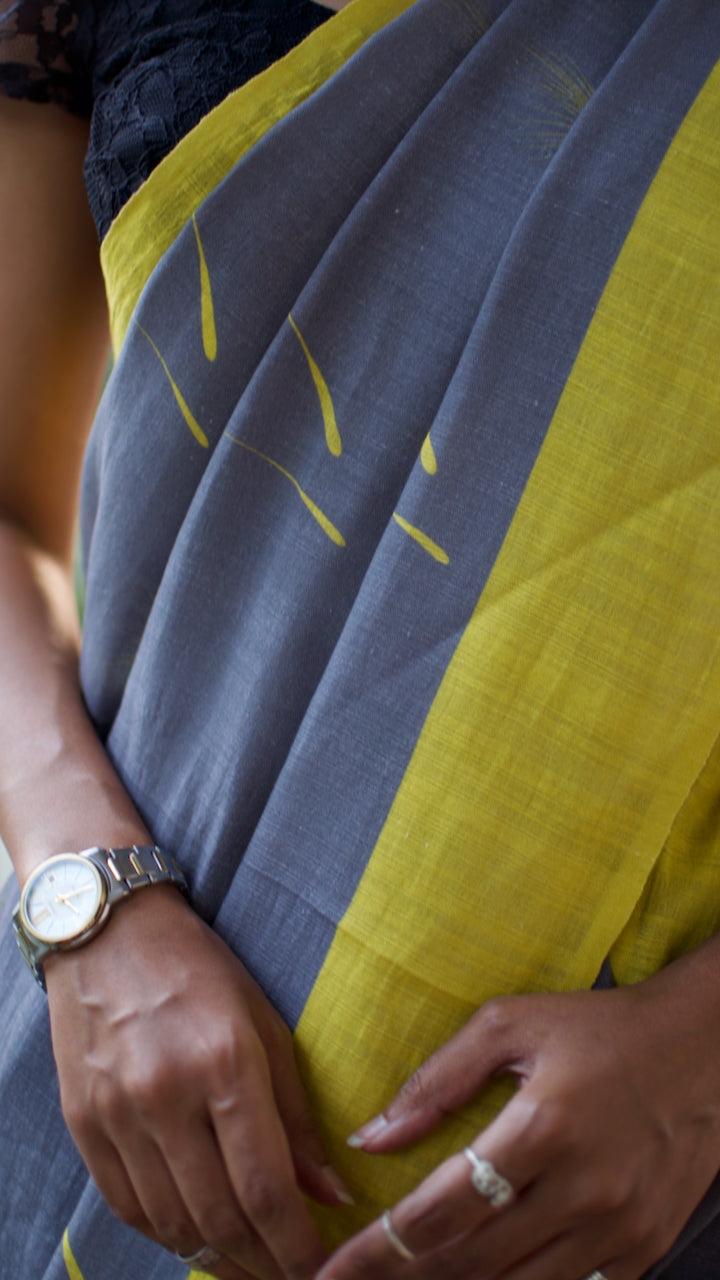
{"type": "Point", "coordinates": [204, 1257]}
{"type": "Point", "coordinates": [394, 1239]}
{"type": "Point", "coordinates": [489, 1183]}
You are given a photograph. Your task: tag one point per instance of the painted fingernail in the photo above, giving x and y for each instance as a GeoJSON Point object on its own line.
{"type": "Point", "coordinates": [368, 1131]}
{"type": "Point", "coordinates": [332, 1177]}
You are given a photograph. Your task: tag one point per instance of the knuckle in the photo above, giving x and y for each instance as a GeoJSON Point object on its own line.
{"type": "Point", "coordinates": [642, 1229]}
{"type": "Point", "coordinates": [542, 1122]}
{"type": "Point", "coordinates": [591, 1202]}
{"type": "Point", "coordinates": [173, 1229]}
{"type": "Point", "coordinates": [415, 1088]}
{"type": "Point", "coordinates": [263, 1201]}
{"type": "Point", "coordinates": [495, 1016]}
{"type": "Point", "coordinates": [77, 1115]}
{"type": "Point", "coordinates": [101, 1105]}
{"type": "Point", "coordinates": [217, 1065]}
{"type": "Point", "coordinates": [145, 1089]}
{"type": "Point", "coordinates": [224, 1228]}
{"type": "Point", "coordinates": [616, 1198]}
{"type": "Point", "coordinates": [128, 1211]}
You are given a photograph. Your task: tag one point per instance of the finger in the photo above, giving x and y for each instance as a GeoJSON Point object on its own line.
{"type": "Point", "coordinates": [491, 1042]}
{"type": "Point", "coordinates": [315, 1174]}
{"type": "Point", "coordinates": [567, 1258]}
{"type": "Point", "coordinates": [199, 1172]}
{"type": "Point", "coordinates": [257, 1156]}
{"type": "Point", "coordinates": [156, 1191]}
{"type": "Point", "coordinates": [444, 1206]}
{"type": "Point", "coordinates": [447, 1204]}
{"type": "Point", "coordinates": [554, 1227]}
{"type": "Point", "coordinates": [113, 1182]}
{"type": "Point", "coordinates": [518, 1146]}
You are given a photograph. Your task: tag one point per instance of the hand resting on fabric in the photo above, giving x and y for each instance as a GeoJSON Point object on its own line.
{"type": "Point", "coordinates": [179, 1086]}
{"type": "Point", "coordinates": [610, 1142]}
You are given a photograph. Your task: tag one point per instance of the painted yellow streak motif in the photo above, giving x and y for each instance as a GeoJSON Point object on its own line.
{"type": "Point", "coordinates": [332, 435]}
{"type": "Point", "coordinates": [566, 90]}
{"type": "Point", "coordinates": [427, 456]}
{"type": "Point", "coordinates": [325, 524]}
{"type": "Point", "coordinates": [426, 543]}
{"type": "Point", "coordinates": [207, 310]}
{"type": "Point", "coordinates": [192, 422]}
{"type": "Point", "coordinates": [71, 1265]}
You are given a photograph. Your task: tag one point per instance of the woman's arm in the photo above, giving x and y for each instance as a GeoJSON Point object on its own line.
{"type": "Point", "coordinates": [178, 1082]}
{"type": "Point", "coordinates": [52, 355]}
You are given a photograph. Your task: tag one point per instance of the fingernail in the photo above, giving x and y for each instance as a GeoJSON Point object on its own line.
{"type": "Point", "coordinates": [332, 1177]}
{"type": "Point", "coordinates": [368, 1131]}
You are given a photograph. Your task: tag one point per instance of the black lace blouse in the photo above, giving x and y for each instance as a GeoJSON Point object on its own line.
{"type": "Point", "coordinates": [143, 71]}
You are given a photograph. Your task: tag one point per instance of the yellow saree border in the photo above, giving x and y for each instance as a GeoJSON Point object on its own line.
{"type": "Point", "coordinates": [522, 837]}
{"type": "Point", "coordinates": [155, 215]}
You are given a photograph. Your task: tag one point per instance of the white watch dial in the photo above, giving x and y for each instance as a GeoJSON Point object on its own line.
{"type": "Point", "coordinates": [63, 898]}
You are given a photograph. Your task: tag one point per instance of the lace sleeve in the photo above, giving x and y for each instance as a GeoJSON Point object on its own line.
{"type": "Point", "coordinates": [39, 52]}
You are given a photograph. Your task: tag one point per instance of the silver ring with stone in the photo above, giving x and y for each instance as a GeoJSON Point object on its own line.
{"type": "Point", "coordinates": [204, 1257]}
{"type": "Point", "coordinates": [394, 1239]}
{"type": "Point", "coordinates": [597, 1275]}
{"type": "Point", "coordinates": [488, 1182]}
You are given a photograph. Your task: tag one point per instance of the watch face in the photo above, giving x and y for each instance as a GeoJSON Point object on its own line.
{"type": "Point", "coordinates": [63, 898]}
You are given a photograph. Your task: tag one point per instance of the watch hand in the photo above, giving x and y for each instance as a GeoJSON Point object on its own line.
{"type": "Point", "coordinates": [73, 892]}
{"type": "Point", "coordinates": [63, 897]}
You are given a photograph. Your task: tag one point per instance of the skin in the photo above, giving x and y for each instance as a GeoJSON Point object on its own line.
{"type": "Point", "coordinates": [227, 1161]}
{"type": "Point", "coordinates": [610, 1142]}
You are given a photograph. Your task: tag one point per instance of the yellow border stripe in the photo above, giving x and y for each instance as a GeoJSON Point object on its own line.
{"type": "Point", "coordinates": [73, 1269]}
{"type": "Point", "coordinates": [575, 717]}
{"type": "Point", "coordinates": [155, 215]}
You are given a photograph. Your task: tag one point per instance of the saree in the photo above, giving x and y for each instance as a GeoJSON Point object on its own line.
{"type": "Point", "coordinates": [401, 531]}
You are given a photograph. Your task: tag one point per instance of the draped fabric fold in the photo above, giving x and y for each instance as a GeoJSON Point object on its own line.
{"type": "Point", "coordinates": [402, 536]}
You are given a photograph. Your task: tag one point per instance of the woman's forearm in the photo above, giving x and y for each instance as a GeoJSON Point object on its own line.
{"type": "Point", "coordinates": [58, 790]}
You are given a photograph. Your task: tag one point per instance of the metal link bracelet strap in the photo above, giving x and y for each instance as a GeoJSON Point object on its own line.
{"type": "Point", "coordinates": [135, 867]}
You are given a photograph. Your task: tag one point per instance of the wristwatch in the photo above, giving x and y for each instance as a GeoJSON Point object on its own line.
{"type": "Point", "coordinates": [69, 897]}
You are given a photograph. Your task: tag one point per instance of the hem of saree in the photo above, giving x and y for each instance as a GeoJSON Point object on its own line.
{"type": "Point", "coordinates": [155, 215]}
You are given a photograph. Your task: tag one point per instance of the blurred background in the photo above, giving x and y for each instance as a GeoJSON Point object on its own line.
{"type": "Point", "coordinates": [4, 864]}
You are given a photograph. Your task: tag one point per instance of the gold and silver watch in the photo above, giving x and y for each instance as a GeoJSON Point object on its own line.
{"type": "Point", "coordinates": [68, 898]}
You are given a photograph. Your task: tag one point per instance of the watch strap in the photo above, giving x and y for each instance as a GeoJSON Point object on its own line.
{"type": "Point", "coordinates": [136, 867]}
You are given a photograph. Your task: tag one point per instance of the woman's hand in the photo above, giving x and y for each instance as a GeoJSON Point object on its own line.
{"type": "Point", "coordinates": [179, 1086]}
{"type": "Point", "coordinates": [609, 1144]}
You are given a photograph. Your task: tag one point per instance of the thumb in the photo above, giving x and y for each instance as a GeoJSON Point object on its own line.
{"type": "Point", "coordinates": [489, 1044]}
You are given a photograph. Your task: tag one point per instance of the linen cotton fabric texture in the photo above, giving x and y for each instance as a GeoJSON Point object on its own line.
{"type": "Point", "coordinates": [407, 644]}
